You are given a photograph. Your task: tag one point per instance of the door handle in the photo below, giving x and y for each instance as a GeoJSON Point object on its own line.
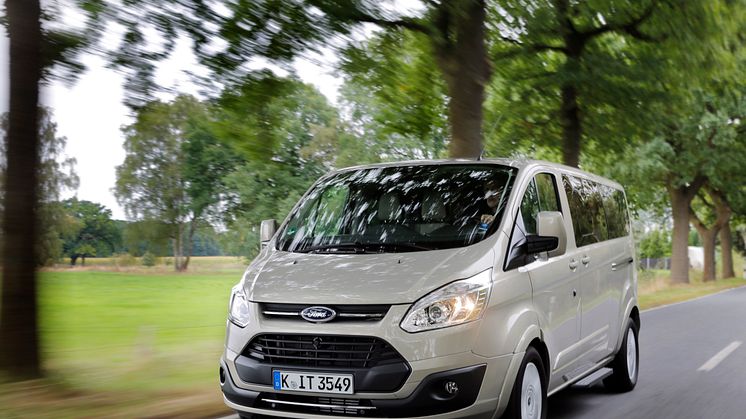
{"type": "Point", "coordinates": [573, 264]}
{"type": "Point", "coordinates": [585, 259]}
{"type": "Point", "coordinates": [626, 262]}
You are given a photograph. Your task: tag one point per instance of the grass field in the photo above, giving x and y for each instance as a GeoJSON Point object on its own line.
{"type": "Point", "coordinates": [145, 342]}
{"type": "Point", "coordinates": [135, 342]}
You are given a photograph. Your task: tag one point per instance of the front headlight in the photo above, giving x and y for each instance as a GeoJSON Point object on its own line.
{"type": "Point", "coordinates": [238, 308]}
{"type": "Point", "coordinates": [456, 303]}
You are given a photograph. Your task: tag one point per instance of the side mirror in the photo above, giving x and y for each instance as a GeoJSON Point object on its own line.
{"type": "Point", "coordinates": [539, 244]}
{"type": "Point", "coordinates": [267, 231]}
{"type": "Point", "coordinates": [551, 224]}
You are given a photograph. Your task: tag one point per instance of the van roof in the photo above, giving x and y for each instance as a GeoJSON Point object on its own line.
{"type": "Point", "coordinates": [519, 163]}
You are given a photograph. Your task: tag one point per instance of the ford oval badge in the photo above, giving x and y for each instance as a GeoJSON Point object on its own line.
{"type": "Point", "coordinates": [318, 314]}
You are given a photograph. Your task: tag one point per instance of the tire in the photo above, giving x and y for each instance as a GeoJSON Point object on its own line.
{"type": "Point", "coordinates": [626, 363]}
{"type": "Point", "coordinates": [528, 399]}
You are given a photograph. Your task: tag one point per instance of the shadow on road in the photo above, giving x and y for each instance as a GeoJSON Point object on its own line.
{"type": "Point", "coordinates": [573, 402]}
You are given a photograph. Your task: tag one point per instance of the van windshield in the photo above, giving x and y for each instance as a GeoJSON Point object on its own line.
{"type": "Point", "coordinates": [399, 209]}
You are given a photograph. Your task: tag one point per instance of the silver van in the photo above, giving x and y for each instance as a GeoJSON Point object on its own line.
{"type": "Point", "coordinates": [439, 289]}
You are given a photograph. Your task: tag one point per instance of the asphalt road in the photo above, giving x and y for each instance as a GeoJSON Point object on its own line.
{"type": "Point", "coordinates": [692, 365]}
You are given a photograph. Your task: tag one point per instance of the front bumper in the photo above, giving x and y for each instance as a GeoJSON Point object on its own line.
{"type": "Point", "coordinates": [429, 399]}
{"type": "Point", "coordinates": [434, 358]}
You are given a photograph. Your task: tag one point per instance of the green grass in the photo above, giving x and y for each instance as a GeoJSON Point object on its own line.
{"type": "Point", "coordinates": [142, 343]}
{"type": "Point", "coordinates": [655, 288]}
{"type": "Point", "coordinates": [113, 331]}
{"type": "Point", "coordinates": [197, 264]}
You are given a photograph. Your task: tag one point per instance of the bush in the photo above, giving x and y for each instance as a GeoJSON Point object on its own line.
{"type": "Point", "coordinates": [148, 259]}
{"type": "Point", "coordinates": [125, 259]}
{"type": "Point", "coordinates": [655, 244]}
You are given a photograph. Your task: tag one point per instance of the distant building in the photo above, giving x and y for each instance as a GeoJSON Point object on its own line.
{"type": "Point", "coordinates": [697, 258]}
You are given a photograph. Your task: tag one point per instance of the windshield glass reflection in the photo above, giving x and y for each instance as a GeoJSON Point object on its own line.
{"type": "Point", "coordinates": [399, 209]}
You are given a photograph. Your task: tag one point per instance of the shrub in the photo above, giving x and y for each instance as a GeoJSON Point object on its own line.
{"type": "Point", "coordinates": [125, 259]}
{"type": "Point", "coordinates": [148, 259]}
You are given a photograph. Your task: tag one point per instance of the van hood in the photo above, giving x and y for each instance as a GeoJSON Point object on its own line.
{"type": "Point", "coordinates": [385, 278]}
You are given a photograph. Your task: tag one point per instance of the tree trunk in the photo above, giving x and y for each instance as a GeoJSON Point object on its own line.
{"type": "Point", "coordinates": [571, 126]}
{"type": "Point", "coordinates": [708, 243]}
{"type": "Point", "coordinates": [466, 70]}
{"type": "Point", "coordinates": [709, 234]}
{"type": "Point", "coordinates": [726, 248]}
{"type": "Point", "coordinates": [73, 259]}
{"type": "Point", "coordinates": [190, 241]}
{"type": "Point", "coordinates": [19, 341]}
{"type": "Point", "coordinates": [680, 237]}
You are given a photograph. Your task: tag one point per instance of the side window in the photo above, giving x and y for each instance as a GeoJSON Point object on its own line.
{"type": "Point", "coordinates": [595, 208]}
{"type": "Point", "coordinates": [616, 212]}
{"type": "Point", "coordinates": [540, 195]}
{"type": "Point", "coordinates": [621, 202]}
{"type": "Point", "coordinates": [576, 199]}
{"type": "Point", "coordinates": [599, 212]}
{"type": "Point", "coordinates": [530, 208]}
{"type": "Point", "coordinates": [548, 197]}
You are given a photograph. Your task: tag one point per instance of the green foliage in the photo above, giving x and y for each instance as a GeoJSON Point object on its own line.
{"type": "Point", "coordinates": [694, 239]}
{"type": "Point", "coordinates": [173, 170]}
{"type": "Point", "coordinates": [396, 96]}
{"type": "Point", "coordinates": [94, 234]}
{"type": "Point", "coordinates": [623, 59]}
{"type": "Point", "coordinates": [56, 174]}
{"type": "Point", "coordinates": [656, 244]}
{"type": "Point", "coordinates": [148, 259]}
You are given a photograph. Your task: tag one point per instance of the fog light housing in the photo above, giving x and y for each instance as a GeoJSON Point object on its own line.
{"type": "Point", "coordinates": [451, 387]}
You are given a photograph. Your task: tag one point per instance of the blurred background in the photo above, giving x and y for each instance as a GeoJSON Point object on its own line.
{"type": "Point", "coordinates": [145, 141]}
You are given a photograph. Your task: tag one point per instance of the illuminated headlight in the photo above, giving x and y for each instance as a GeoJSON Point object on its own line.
{"type": "Point", "coordinates": [238, 308]}
{"type": "Point", "coordinates": [456, 303]}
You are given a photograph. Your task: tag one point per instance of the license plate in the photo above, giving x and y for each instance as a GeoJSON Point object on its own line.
{"type": "Point", "coordinates": [313, 382]}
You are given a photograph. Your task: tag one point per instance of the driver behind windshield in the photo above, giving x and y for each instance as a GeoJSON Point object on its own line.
{"type": "Point", "coordinates": [492, 193]}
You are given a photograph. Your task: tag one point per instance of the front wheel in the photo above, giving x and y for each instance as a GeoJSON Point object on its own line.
{"type": "Point", "coordinates": [626, 363]}
{"type": "Point", "coordinates": [528, 400]}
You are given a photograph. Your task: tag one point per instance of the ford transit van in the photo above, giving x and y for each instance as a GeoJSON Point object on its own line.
{"type": "Point", "coordinates": [439, 289]}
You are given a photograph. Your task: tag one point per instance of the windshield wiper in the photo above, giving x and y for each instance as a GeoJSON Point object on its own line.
{"type": "Point", "coordinates": [358, 247]}
{"type": "Point", "coordinates": [399, 246]}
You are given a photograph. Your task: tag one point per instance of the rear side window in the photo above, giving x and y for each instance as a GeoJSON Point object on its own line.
{"type": "Point", "coordinates": [615, 207]}
{"type": "Point", "coordinates": [599, 212]}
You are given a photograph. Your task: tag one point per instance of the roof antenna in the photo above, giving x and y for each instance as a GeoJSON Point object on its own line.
{"type": "Point", "coordinates": [481, 154]}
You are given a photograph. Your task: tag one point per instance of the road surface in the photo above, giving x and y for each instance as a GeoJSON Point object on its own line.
{"type": "Point", "coordinates": [692, 366]}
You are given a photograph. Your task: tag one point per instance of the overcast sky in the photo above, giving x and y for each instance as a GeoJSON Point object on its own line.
{"type": "Point", "coordinates": [90, 114]}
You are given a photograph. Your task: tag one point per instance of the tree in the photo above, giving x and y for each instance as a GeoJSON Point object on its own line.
{"type": "Point", "coordinates": [580, 76]}
{"type": "Point", "coordinates": [56, 173]}
{"type": "Point", "coordinates": [96, 235]}
{"type": "Point", "coordinates": [172, 171]}
{"type": "Point", "coordinates": [394, 99]}
{"type": "Point", "coordinates": [720, 215]}
{"type": "Point", "coordinates": [36, 53]}
{"type": "Point", "coordinates": [19, 351]}
{"type": "Point", "coordinates": [281, 30]}
{"type": "Point", "coordinates": [286, 140]}
{"type": "Point", "coordinates": [696, 146]}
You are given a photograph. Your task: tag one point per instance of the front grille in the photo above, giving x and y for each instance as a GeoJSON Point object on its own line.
{"type": "Point", "coordinates": [315, 405]}
{"type": "Point", "coordinates": [345, 312]}
{"type": "Point", "coordinates": [321, 351]}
